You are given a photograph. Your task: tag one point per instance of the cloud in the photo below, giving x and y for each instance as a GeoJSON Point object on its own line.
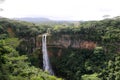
{"type": "Point", "coordinates": [61, 9]}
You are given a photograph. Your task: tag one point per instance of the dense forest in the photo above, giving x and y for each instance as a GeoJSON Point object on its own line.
{"type": "Point", "coordinates": [21, 56]}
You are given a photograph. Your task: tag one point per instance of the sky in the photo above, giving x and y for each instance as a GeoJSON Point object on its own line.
{"type": "Point", "coordinates": [60, 9]}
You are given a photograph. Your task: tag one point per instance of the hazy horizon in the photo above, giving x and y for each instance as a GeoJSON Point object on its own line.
{"type": "Point", "coordinates": [60, 9]}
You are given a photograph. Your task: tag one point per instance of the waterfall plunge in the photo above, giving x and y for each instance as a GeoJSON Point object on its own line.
{"type": "Point", "coordinates": [46, 62]}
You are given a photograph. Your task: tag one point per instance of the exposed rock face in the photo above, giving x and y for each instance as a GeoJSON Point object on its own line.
{"type": "Point", "coordinates": [10, 31]}
{"type": "Point", "coordinates": [68, 41]}
{"type": "Point", "coordinates": [57, 43]}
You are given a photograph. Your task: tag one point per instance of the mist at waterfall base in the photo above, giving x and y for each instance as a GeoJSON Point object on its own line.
{"type": "Point", "coordinates": [46, 63]}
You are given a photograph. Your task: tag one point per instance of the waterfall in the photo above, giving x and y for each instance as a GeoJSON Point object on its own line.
{"type": "Point", "coordinates": [46, 62]}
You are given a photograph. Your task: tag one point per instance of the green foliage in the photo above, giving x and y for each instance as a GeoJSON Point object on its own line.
{"type": "Point", "coordinates": [15, 67]}
{"type": "Point", "coordinates": [3, 36]}
{"type": "Point", "coordinates": [112, 71]}
{"type": "Point", "coordinates": [74, 64]}
{"type": "Point", "coordinates": [12, 42]}
{"type": "Point", "coordinates": [90, 77]}
{"type": "Point", "coordinates": [36, 58]}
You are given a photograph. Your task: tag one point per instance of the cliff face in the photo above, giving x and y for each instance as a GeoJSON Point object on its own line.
{"type": "Point", "coordinates": [65, 41]}
{"type": "Point", "coordinates": [70, 41]}
{"type": "Point", "coordinates": [57, 43]}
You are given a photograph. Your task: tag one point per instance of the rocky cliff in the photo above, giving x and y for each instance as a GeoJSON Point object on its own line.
{"type": "Point", "coordinates": [65, 41]}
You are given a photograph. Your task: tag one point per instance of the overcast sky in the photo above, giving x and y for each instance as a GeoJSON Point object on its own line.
{"type": "Point", "coordinates": [61, 9]}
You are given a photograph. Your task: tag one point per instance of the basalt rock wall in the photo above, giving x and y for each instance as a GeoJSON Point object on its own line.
{"type": "Point", "coordinates": [65, 41]}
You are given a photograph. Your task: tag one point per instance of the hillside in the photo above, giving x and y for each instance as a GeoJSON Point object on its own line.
{"type": "Point", "coordinates": [13, 65]}
{"type": "Point", "coordinates": [92, 47]}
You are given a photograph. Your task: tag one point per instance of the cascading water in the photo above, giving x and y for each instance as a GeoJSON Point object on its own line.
{"type": "Point", "coordinates": [46, 62]}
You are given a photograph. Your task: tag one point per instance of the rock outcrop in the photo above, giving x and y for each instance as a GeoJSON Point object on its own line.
{"type": "Point", "coordinates": [67, 41]}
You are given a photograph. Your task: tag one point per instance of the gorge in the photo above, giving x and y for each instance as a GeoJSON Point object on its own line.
{"type": "Point", "coordinates": [89, 50]}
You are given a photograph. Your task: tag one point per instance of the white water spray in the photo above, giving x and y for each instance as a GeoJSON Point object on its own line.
{"type": "Point", "coordinates": [46, 62]}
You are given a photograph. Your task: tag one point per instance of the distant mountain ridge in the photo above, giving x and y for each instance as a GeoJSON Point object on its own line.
{"type": "Point", "coordinates": [36, 20]}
